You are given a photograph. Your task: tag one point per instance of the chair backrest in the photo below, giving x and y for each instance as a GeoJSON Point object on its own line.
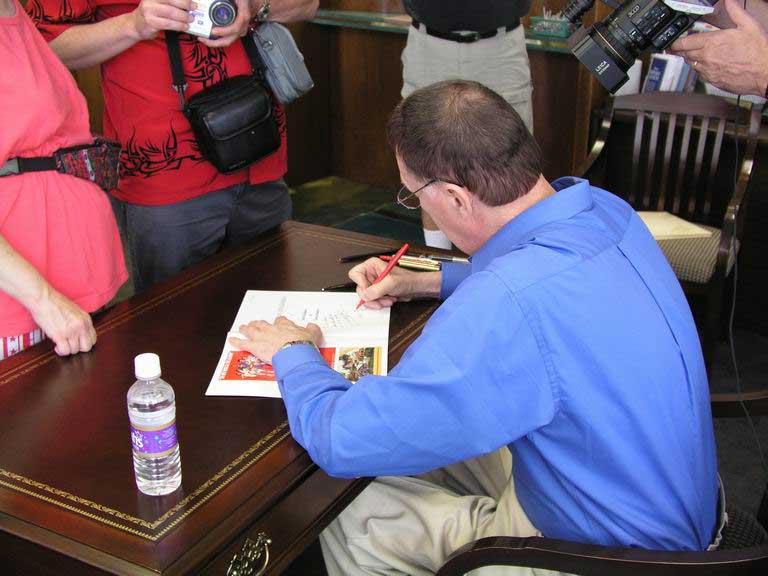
{"type": "Point", "coordinates": [677, 157]}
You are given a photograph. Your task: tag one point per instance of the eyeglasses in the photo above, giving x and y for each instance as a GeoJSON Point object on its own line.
{"type": "Point", "coordinates": [410, 200]}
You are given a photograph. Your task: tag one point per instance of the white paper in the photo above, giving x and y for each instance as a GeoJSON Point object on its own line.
{"type": "Point", "coordinates": [355, 342]}
{"type": "Point", "coordinates": [666, 226]}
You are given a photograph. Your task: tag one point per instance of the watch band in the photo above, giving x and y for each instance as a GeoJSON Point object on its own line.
{"type": "Point", "coordinates": [262, 13]}
{"type": "Point", "coordinates": [296, 342]}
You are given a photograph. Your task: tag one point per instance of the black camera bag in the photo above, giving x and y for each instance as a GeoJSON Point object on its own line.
{"type": "Point", "coordinates": [232, 121]}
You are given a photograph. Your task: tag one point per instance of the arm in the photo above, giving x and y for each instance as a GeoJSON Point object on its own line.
{"type": "Point", "coordinates": [735, 59]}
{"type": "Point", "coordinates": [91, 44]}
{"type": "Point", "coordinates": [64, 322]}
{"type": "Point", "coordinates": [471, 383]}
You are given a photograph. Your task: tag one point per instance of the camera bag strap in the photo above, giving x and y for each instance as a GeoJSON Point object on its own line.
{"type": "Point", "coordinates": [177, 69]}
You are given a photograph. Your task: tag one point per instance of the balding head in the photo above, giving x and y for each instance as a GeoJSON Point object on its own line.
{"type": "Point", "coordinates": [463, 132]}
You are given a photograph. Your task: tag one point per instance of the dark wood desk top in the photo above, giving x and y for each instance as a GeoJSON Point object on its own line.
{"type": "Point", "coordinates": [66, 476]}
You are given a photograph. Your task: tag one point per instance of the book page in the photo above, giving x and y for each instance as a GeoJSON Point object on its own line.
{"type": "Point", "coordinates": [666, 226]}
{"type": "Point", "coordinates": [355, 342]}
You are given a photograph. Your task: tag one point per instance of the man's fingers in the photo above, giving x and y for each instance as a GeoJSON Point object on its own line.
{"type": "Point", "coordinates": [283, 322]}
{"type": "Point", "coordinates": [315, 330]}
{"type": "Point", "coordinates": [691, 42]}
{"type": "Point", "coordinates": [242, 344]}
{"type": "Point", "coordinates": [738, 15]}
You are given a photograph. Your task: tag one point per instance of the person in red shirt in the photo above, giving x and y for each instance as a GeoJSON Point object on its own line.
{"type": "Point", "coordinates": [174, 207]}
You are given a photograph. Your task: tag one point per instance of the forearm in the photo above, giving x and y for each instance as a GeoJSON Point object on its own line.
{"type": "Point", "coordinates": [758, 9]}
{"type": "Point", "coordinates": [91, 44]}
{"type": "Point", "coordinates": [288, 10]}
{"type": "Point", "coordinates": [18, 278]}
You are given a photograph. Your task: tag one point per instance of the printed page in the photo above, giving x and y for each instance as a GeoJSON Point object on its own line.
{"type": "Point", "coordinates": [355, 342]}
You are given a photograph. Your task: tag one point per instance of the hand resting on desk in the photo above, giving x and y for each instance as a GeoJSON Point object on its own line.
{"type": "Point", "coordinates": [264, 340]}
{"type": "Point", "coordinates": [399, 285]}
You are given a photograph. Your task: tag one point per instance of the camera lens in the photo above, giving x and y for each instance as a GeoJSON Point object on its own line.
{"type": "Point", "coordinates": [222, 13]}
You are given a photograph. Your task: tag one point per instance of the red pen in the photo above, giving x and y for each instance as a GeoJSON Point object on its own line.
{"type": "Point", "coordinates": [387, 270]}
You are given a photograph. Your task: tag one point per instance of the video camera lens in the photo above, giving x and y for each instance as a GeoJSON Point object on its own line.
{"type": "Point", "coordinates": [222, 12]}
{"type": "Point", "coordinates": [609, 48]}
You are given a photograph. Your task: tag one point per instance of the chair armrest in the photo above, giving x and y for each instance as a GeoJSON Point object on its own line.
{"type": "Point", "coordinates": [599, 143]}
{"type": "Point", "coordinates": [730, 405]}
{"type": "Point", "coordinates": [733, 220]}
{"type": "Point", "coordinates": [591, 560]}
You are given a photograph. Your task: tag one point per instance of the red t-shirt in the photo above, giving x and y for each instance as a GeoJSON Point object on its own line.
{"type": "Point", "coordinates": [160, 163]}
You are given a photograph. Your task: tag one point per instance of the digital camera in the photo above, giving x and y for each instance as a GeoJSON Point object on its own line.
{"type": "Point", "coordinates": [210, 13]}
{"type": "Point", "coordinates": [609, 48]}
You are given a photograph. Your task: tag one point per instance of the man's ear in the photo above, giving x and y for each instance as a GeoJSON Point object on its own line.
{"type": "Point", "coordinates": [460, 198]}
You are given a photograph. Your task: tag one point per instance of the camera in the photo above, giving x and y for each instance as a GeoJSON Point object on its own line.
{"type": "Point", "coordinates": [210, 13]}
{"type": "Point", "coordinates": [610, 47]}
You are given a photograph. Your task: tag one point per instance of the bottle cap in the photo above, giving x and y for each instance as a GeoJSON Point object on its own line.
{"type": "Point", "coordinates": [147, 366]}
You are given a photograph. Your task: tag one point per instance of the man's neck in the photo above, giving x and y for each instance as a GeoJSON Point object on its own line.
{"type": "Point", "coordinates": [499, 216]}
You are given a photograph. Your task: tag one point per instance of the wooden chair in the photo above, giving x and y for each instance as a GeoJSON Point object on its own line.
{"type": "Point", "coordinates": [682, 148]}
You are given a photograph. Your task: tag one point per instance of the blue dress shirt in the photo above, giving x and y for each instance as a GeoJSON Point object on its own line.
{"type": "Point", "coordinates": [567, 338]}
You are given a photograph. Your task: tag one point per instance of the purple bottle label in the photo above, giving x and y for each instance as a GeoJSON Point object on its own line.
{"type": "Point", "coordinates": [154, 442]}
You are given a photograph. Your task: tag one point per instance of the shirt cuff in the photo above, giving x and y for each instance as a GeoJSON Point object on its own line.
{"type": "Point", "coordinates": [287, 359]}
{"type": "Point", "coordinates": [454, 274]}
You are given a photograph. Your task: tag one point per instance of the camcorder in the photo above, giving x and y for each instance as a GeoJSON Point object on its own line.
{"type": "Point", "coordinates": [609, 48]}
{"type": "Point", "coordinates": [210, 13]}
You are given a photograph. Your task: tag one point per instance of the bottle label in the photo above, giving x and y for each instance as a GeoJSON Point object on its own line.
{"type": "Point", "coordinates": [154, 442]}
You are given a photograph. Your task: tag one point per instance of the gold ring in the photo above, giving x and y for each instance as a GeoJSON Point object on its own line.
{"type": "Point", "coordinates": [695, 63]}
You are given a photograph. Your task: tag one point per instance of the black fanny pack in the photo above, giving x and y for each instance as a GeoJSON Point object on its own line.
{"type": "Point", "coordinates": [232, 121]}
{"type": "Point", "coordinates": [97, 163]}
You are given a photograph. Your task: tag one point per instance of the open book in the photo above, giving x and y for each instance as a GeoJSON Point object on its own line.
{"type": "Point", "coordinates": [666, 226]}
{"type": "Point", "coordinates": [355, 342]}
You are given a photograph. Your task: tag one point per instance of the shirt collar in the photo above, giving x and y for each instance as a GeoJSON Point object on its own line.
{"type": "Point", "coordinates": [573, 195]}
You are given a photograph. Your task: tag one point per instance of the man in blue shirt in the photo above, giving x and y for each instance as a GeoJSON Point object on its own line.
{"type": "Point", "coordinates": [566, 339]}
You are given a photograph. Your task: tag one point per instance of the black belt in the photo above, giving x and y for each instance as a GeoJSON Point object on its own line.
{"type": "Point", "coordinates": [15, 166]}
{"type": "Point", "coordinates": [466, 37]}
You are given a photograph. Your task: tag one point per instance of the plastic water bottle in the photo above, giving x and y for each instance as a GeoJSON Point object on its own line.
{"type": "Point", "coordinates": [152, 411]}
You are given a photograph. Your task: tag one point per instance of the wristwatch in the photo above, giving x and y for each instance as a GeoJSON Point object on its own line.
{"type": "Point", "coordinates": [295, 342]}
{"type": "Point", "coordinates": [262, 13]}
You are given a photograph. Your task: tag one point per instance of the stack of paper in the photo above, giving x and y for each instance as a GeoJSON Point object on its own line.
{"type": "Point", "coordinates": [355, 342]}
{"type": "Point", "coordinates": [666, 226]}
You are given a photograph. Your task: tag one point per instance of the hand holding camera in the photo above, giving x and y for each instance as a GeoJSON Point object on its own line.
{"type": "Point", "coordinates": [229, 20]}
{"type": "Point", "coordinates": [154, 16]}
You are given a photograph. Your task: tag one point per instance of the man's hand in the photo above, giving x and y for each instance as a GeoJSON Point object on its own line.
{"type": "Point", "coordinates": [70, 327]}
{"type": "Point", "coordinates": [735, 59]}
{"type": "Point", "coordinates": [398, 286]}
{"type": "Point", "coordinates": [264, 340]}
{"type": "Point", "coordinates": [279, 11]}
{"type": "Point", "coordinates": [153, 16]}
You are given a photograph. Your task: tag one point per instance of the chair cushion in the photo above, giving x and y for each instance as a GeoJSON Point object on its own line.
{"type": "Point", "coordinates": [742, 530]}
{"type": "Point", "coordinates": [693, 259]}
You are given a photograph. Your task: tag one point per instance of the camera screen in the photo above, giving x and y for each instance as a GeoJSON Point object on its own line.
{"type": "Point", "coordinates": [692, 6]}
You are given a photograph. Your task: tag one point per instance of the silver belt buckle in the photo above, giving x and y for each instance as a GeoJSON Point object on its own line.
{"type": "Point", "coordinates": [10, 168]}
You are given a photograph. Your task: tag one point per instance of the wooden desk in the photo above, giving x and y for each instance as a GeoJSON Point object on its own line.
{"type": "Point", "coordinates": [68, 501]}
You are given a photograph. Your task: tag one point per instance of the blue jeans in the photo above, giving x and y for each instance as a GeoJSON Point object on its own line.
{"type": "Point", "coordinates": [164, 240]}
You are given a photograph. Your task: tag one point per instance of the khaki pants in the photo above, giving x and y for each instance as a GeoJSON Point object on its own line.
{"type": "Point", "coordinates": [499, 62]}
{"type": "Point", "coordinates": [405, 525]}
